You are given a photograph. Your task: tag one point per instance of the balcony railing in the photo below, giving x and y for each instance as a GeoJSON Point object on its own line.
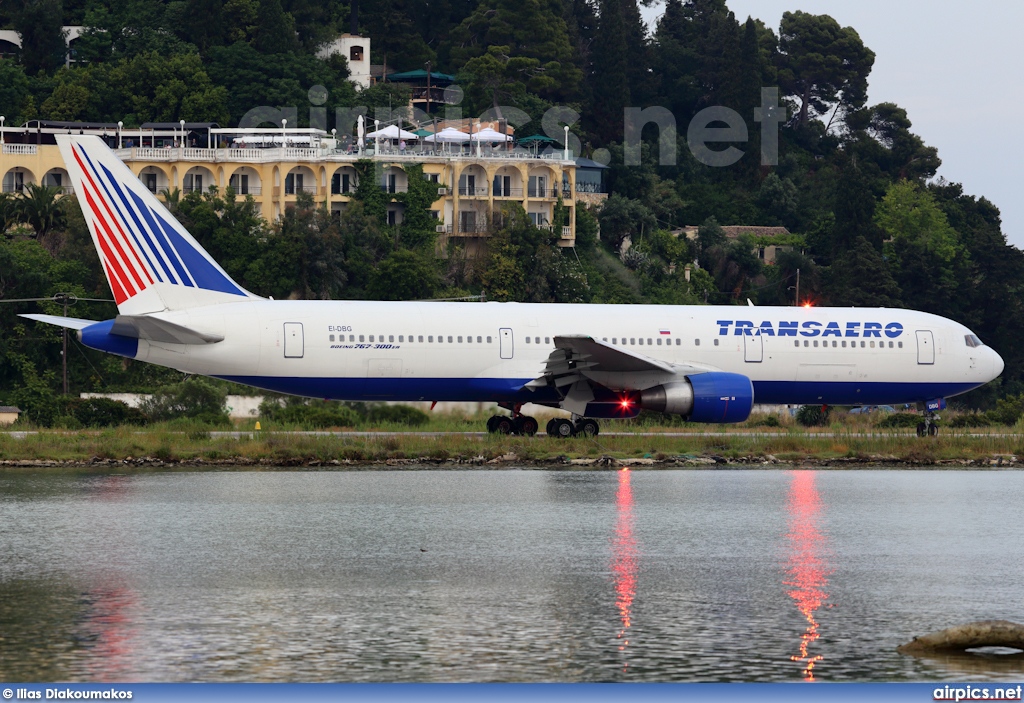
{"type": "Point", "coordinates": [478, 191]}
{"type": "Point", "coordinates": [473, 228]}
{"type": "Point", "coordinates": [21, 149]}
{"type": "Point", "coordinates": [292, 190]}
{"type": "Point", "coordinates": [542, 192]}
{"type": "Point", "coordinates": [566, 232]}
{"type": "Point", "coordinates": [397, 188]}
{"type": "Point", "coordinates": [436, 95]}
{"type": "Point", "coordinates": [246, 190]}
{"type": "Point", "coordinates": [508, 192]}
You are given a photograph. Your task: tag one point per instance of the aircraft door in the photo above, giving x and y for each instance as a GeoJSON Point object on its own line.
{"type": "Point", "coordinates": [925, 347]}
{"type": "Point", "coordinates": [293, 341]}
{"type": "Point", "coordinates": [753, 348]}
{"type": "Point", "coordinates": [505, 339]}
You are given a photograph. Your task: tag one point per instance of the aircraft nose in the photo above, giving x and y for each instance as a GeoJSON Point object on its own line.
{"type": "Point", "coordinates": [997, 363]}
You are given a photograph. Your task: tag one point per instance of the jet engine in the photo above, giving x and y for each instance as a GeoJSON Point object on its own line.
{"type": "Point", "coordinates": [707, 397]}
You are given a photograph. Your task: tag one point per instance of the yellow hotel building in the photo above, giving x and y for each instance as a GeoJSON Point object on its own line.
{"type": "Point", "coordinates": [473, 183]}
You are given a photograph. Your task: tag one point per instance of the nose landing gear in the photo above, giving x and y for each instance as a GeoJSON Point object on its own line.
{"type": "Point", "coordinates": [929, 427]}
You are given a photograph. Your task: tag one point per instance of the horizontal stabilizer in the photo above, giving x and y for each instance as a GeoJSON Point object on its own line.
{"type": "Point", "coordinates": [154, 329]}
{"type": "Point", "coordinates": [73, 323]}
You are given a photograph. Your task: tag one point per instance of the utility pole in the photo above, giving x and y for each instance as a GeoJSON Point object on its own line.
{"type": "Point", "coordinates": [797, 303]}
{"type": "Point", "coordinates": [64, 299]}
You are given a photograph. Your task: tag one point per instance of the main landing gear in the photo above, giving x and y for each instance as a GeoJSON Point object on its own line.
{"type": "Point", "coordinates": [517, 424]}
{"type": "Point", "coordinates": [583, 426]}
{"type": "Point", "coordinates": [520, 424]}
{"type": "Point", "coordinates": [929, 427]}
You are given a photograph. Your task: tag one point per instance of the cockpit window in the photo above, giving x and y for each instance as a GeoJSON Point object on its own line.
{"type": "Point", "coordinates": [972, 341]}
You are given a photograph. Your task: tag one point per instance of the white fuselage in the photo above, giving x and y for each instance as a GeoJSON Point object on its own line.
{"type": "Point", "coordinates": [363, 350]}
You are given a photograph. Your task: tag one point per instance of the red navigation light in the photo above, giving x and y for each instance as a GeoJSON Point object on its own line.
{"type": "Point", "coordinates": [625, 403]}
{"type": "Point", "coordinates": [807, 304]}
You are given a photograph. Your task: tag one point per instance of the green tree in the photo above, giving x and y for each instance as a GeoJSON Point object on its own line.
{"type": "Point", "coordinates": [532, 29]}
{"type": "Point", "coordinates": [275, 29]}
{"type": "Point", "coordinates": [860, 278]}
{"type": "Point", "coordinates": [41, 207]}
{"type": "Point", "coordinates": [405, 275]}
{"type": "Point", "coordinates": [40, 26]}
{"type": "Point", "coordinates": [822, 64]}
{"type": "Point", "coordinates": [925, 251]}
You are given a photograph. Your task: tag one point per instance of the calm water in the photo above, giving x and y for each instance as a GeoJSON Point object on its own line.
{"type": "Point", "coordinates": [504, 575]}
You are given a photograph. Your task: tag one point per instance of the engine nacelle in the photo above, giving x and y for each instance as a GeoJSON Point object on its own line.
{"type": "Point", "coordinates": [98, 336]}
{"type": "Point", "coordinates": [706, 397]}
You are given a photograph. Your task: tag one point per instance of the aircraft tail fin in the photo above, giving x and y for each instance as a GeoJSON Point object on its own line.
{"type": "Point", "coordinates": [152, 263]}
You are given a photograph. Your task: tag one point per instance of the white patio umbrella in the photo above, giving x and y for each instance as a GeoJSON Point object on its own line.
{"type": "Point", "coordinates": [391, 132]}
{"type": "Point", "coordinates": [490, 135]}
{"type": "Point", "coordinates": [448, 135]}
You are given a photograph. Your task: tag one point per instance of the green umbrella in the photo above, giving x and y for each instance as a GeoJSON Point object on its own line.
{"type": "Point", "coordinates": [537, 139]}
{"type": "Point", "coordinates": [422, 133]}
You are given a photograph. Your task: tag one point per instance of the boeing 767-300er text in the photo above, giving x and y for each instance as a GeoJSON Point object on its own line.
{"type": "Point", "coordinates": [178, 308]}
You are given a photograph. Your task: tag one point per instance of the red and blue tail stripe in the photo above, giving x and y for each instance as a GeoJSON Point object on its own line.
{"type": "Point", "coordinates": [139, 243]}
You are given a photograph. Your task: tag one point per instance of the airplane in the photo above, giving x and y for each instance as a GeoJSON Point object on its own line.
{"type": "Point", "coordinates": [178, 308]}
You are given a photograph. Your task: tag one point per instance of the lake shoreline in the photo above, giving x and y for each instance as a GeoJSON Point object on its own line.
{"type": "Point", "coordinates": [130, 448]}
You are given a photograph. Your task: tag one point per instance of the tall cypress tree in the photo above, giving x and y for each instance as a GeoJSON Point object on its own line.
{"type": "Point", "coordinates": [610, 81]}
{"type": "Point", "coordinates": [40, 26]}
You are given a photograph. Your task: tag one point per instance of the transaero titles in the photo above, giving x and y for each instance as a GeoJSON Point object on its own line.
{"type": "Point", "coordinates": [809, 328]}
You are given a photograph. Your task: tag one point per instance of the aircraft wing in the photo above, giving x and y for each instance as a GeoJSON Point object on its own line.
{"type": "Point", "coordinates": [73, 323]}
{"type": "Point", "coordinates": [137, 327]}
{"type": "Point", "coordinates": [583, 358]}
{"type": "Point", "coordinates": [156, 330]}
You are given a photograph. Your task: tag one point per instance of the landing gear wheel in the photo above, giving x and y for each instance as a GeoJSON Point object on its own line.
{"type": "Point", "coordinates": [490, 422]}
{"type": "Point", "coordinates": [587, 428]}
{"type": "Point", "coordinates": [550, 428]}
{"type": "Point", "coordinates": [503, 425]}
{"type": "Point", "coordinates": [933, 430]}
{"type": "Point", "coordinates": [526, 425]}
{"type": "Point", "coordinates": [922, 429]}
{"type": "Point", "coordinates": [563, 428]}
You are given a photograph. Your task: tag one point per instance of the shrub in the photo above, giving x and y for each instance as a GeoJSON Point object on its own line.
{"type": "Point", "coordinates": [897, 420]}
{"type": "Point", "coordinates": [813, 415]}
{"type": "Point", "coordinates": [103, 412]}
{"type": "Point", "coordinates": [970, 420]}
{"type": "Point", "coordinates": [398, 414]}
{"type": "Point", "coordinates": [195, 398]}
{"type": "Point", "coordinates": [308, 413]}
{"type": "Point", "coordinates": [1008, 410]}
{"type": "Point", "coordinates": [764, 421]}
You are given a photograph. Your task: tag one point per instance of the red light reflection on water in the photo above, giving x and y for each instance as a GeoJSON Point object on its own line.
{"type": "Point", "coordinates": [625, 557]}
{"type": "Point", "coordinates": [808, 567]}
{"type": "Point", "coordinates": [108, 625]}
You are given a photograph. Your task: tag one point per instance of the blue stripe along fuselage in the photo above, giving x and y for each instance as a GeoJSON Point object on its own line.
{"type": "Point", "coordinates": [511, 390]}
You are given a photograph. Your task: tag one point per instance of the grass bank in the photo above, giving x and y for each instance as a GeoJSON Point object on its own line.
{"type": "Point", "coordinates": [170, 446]}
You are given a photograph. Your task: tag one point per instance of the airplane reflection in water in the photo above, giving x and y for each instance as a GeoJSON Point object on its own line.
{"type": "Point", "coordinates": [625, 556]}
{"type": "Point", "coordinates": [808, 566]}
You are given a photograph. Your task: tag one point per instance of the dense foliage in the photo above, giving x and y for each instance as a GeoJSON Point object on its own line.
{"type": "Point", "coordinates": [853, 183]}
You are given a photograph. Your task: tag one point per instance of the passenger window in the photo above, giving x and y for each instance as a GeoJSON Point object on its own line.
{"type": "Point", "coordinates": [351, 338]}
{"type": "Point", "coordinates": [641, 341]}
{"type": "Point", "coordinates": [632, 340]}
{"type": "Point", "coordinates": [890, 345]}
{"type": "Point", "coordinates": [547, 340]}
{"type": "Point", "coordinates": [806, 343]}
{"type": "Point", "coordinates": [716, 342]}
{"type": "Point", "coordinates": [478, 341]}
{"type": "Point", "coordinates": [615, 340]}
{"type": "Point", "coordinates": [360, 338]}
{"type": "Point", "coordinates": [332, 337]}
{"type": "Point", "coordinates": [430, 338]}
{"type": "Point", "coordinates": [677, 342]}
{"type": "Point", "coordinates": [449, 339]}
{"type": "Point", "coordinates": [460, 339]}
{"type": "Point", "coordinates": [536, 340]}
{"type": "Point", "coordinates": [900, 344]}
{"type": "Point", "coordinates": [872, 344]}
{"type": "Point", "coordinates": [488, 340]}
{"type": "Point", "coordinates": [391, 337]}
{"type": "Point", "coordinates": [421, 337]}
{"type": "Point", "coordinates": [844, 344]}
{"type": "Point", "coordinates": [659, 341]}
{"type": "Point", "coordinates": [862, 344]}
{"type": "Point", "coordinates": [401, 338]}
{"type": "Point", "coordinates": [796, 343]}
{"type": "Point", "coordinates": [527, 340]}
